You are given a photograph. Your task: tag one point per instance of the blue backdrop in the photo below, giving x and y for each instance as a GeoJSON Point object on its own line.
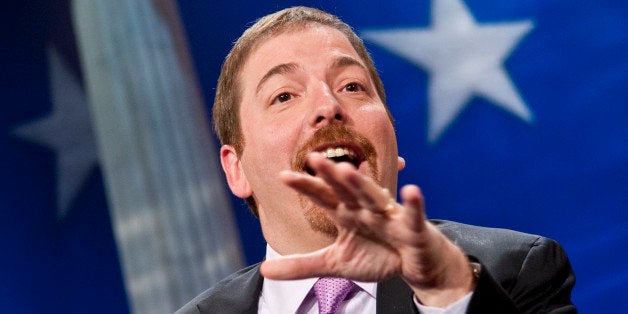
{"type": "Point", "coordinates": [539, 143]}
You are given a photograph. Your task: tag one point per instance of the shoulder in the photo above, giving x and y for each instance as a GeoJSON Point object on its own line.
{"type": "Point", "coordinates": [507, 254]}
{"type": "Point", "coordinates": [239, 292]}
{"type": "Point", "coordinates": [492, 245]}
{"type": "Point", "coordinates": [484, 237]}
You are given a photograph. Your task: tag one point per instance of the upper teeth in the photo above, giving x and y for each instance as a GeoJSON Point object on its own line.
{"type": "Point", "coordinates": [337, 152]}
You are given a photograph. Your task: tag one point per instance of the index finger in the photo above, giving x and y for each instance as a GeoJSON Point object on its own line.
{"type": "Point", "coordinates": [314, 188]}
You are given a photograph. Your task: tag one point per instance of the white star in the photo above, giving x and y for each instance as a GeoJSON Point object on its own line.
{"type": "Point", "coordinates": [463, 59]}
{"type": "Point", "coordinates": [67, 131]}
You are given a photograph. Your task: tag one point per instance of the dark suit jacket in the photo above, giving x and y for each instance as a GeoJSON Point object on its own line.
{"type": "Point", "coordinates": [521, 273]}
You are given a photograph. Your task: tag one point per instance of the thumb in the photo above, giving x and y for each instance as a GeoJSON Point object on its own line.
{"type": "Point", "coordinates": [298, 266]}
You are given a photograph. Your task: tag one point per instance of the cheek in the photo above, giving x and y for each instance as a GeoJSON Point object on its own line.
{"type": "Point", "coordinates": [378, 128]}
{"type": "Point", "coordinates": [377, 125]}
{"type": "Point", "coordinates": [269, 144]}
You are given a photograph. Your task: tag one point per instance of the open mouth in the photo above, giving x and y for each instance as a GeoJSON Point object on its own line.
{"type": "Point", "coordinates": [340, 153]}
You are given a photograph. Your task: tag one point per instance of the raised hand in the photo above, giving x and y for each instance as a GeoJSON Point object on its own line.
{"type": "Point", "coordinates": [377, 237]}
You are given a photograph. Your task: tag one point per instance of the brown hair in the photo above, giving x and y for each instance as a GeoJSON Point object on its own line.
{"type": "Point", "coordinates": [228, 97]}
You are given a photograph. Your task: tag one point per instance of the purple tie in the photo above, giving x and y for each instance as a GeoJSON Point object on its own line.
{"type": "Point", "coordinates": [330, 292]}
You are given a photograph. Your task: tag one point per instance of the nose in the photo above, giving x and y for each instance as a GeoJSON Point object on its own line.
{"type": "Point", "coordinates": [327, 108]}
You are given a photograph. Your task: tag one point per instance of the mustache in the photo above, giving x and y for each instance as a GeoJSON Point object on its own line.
{"type": "Point", "coordinates": [334, 134]}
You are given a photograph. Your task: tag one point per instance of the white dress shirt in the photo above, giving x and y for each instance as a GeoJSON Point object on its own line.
{"type": "Point", "coordinates": [297, 296]}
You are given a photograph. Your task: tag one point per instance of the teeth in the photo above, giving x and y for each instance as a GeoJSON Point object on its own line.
{"type": "Point", "coordinates": [337, 152]}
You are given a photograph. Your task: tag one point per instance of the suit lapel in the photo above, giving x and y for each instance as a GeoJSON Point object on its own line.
{"type": "Point", "coordinates": [239, 294]}
{"type": "Point", "coordinates": [394, 296]}
{"type": "Point", "coordinates": [251, 291]}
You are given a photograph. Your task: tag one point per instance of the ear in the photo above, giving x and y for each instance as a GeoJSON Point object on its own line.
{"type": "Point", "coordinates": [401, 163]}
{"type": "Point", "coordinates": [232, 167]}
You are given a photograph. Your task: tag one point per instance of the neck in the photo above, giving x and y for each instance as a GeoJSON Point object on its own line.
{"type": "Point", "coordinates": [286, 241]}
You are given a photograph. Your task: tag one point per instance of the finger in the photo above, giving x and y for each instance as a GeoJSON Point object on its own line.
{"type": "Point", "coordinates": [414, 205]}
{"type": "Point", "coordinates": [335, 174]}
{"type": "Point", "coordinates": [295, 267]}
{"type": "Point", "coordinates": [312, 187]}
{"type": "Point", "coordinates": [360, 188]}
{"type": "Point", "coordinates": [371, 196]}
{"type": "Point", "coordinates": [356, 190]}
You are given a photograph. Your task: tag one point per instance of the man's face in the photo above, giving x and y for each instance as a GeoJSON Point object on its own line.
{"type": "Point", "coordinates": [302, 91]}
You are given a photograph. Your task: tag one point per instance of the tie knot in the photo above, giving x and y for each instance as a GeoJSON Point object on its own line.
{"type": "Point", "coordinates": [330, 292]}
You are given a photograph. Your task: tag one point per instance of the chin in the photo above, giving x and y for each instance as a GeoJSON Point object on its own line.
{"type": "Point", "coordinates": [319, 219]}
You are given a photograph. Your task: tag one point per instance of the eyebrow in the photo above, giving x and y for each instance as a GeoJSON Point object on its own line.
{"type": "Point", "coordinates": [276, 70]}
{"type": "Point", "coordinates": [346, 61]}
{"type": "Point", "coordinates": [340, 62]}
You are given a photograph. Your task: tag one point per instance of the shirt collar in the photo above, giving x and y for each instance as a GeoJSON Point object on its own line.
{"type": "Point", "coordinates": [286, 296]}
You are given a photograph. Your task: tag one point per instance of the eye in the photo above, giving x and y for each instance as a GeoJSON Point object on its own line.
{"type": "Point", "coordinates": [353, 87]}
{"type": "Point", "coordinates": [283, 97]}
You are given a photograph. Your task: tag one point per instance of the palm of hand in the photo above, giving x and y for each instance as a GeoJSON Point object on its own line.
{"type": "Point", "coordinates": [377, 238]}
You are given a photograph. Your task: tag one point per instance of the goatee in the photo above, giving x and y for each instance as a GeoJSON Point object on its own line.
{"type": "Point", "coordinates": [333, 134]}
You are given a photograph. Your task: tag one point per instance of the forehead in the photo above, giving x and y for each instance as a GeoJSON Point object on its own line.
{"type": "Point", "coordinates": [300, 45]}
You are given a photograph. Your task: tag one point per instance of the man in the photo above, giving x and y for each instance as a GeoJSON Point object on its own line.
{"type": "Point", "coordinates": [308, 141]}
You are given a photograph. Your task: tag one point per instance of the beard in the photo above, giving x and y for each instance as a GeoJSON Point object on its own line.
{"type": "Point", "coordinates": [317, 217]}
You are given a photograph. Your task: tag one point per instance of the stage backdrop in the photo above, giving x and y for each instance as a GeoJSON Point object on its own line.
{"type": "Point", "coordinates": [510, 114]}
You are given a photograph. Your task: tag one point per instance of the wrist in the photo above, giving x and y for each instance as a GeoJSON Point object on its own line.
{"type": "Point", "coordinates": [456, 279]}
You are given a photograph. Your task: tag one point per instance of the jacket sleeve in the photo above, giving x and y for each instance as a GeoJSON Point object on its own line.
{"type": "Point", "coordinates": [542, 285]}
